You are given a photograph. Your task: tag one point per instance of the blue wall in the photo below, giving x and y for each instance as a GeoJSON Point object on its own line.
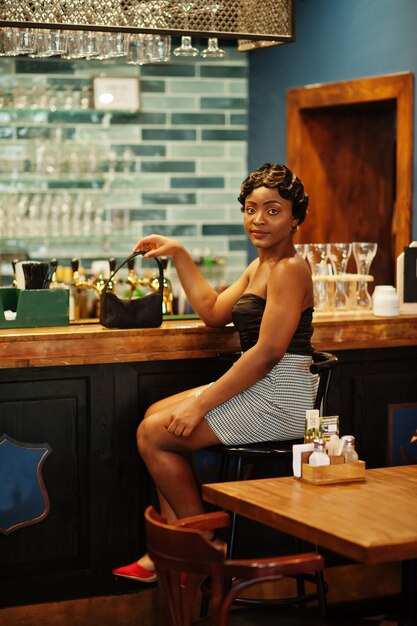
{"type": "Point", "coordinates": [335, 40]}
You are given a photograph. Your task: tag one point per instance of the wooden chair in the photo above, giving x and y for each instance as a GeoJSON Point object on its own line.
{"type": "Point", "coordinates": [183, 558]}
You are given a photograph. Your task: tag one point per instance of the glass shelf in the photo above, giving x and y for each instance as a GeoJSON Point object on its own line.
{"type": "Point", "coordinates": [19, 181]}
{"type": "Point", "coordinates": [67, 239]}
{"type": "Point", "coordinates": [15, 111]}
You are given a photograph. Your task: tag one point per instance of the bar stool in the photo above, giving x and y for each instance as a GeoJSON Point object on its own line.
{"type": "Point", "coordinates": [234, 459]}
{"type": "Point", "coordinates": [323, 365]}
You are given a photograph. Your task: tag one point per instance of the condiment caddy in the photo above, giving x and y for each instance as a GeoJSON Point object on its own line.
{"type": "Point", "coordinates": [336, 472]}
{"type": "Point", "coordinates": [328, 462]}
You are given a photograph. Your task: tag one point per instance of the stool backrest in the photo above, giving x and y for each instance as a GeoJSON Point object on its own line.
{"type": "Point", "coordinates": [323, 364]}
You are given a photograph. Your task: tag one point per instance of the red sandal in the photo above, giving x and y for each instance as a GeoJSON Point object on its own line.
{"type": "Point", "coordinates": [136, 572]}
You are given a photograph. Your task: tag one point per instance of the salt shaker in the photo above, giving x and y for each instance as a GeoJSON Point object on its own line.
{"type": "Point", "coordinates": [319, 455]}
{"type": "Point", "coordinates": [349, 452]}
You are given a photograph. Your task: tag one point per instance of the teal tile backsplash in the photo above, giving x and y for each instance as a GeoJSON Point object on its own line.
{"type": "Point", "coordinates": [198, 118]}
{"type": "Point", "coordinates": [223, 103]}
{"type": "Point", "coordinates": [169, 134]}
{"type": "Point", "coordinates": [173, 167]}
{"type": "Point", "coordinates": [170, 69]}
{"type": "Point", "coordinates": [199, 182]}
{"type": "Point", "coordinates": [169, 198]}
{"type": "Point", "coordinates": [168, 166]}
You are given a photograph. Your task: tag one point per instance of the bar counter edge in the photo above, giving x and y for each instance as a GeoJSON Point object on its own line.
{"type": "Point", "coordinates": [79, 344]}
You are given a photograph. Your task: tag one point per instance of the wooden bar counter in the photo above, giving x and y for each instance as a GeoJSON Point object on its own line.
{"type": "Point", "coordinates": [82, 391]}
{"type": "Point", "coordinates": [89, 343]}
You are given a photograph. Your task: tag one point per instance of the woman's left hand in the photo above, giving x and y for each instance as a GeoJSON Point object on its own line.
{"type": "Point", "coordinates": [184, 418]}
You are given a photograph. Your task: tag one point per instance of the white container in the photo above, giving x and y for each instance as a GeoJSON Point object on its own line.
{"type": "Point", "coordinates": [319, 455]}
{"type": "Point", "coordinates": [297, 450]}
{"type": "Point", "coordinates": [385, 301]}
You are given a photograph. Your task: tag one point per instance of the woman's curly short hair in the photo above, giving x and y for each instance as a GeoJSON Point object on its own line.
{"type": "Point", "coordinates": [279, 177]}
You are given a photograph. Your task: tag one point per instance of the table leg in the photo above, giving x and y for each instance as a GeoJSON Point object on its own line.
{"type": "Point", "coordinates": [408, 593]}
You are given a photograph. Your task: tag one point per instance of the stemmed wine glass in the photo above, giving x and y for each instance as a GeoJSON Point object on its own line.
{"type": "Point", "coordinates": [301, 249]}
{"type": "Point", "coordinates": [364, 253]}
{"type": "Point", "coordinates": [186, 49]}
{"type": "Point", "coordinates": [339, 254]}
{"type": "Point", "coordinates": [317, 257]}
{"type": "Point", "coordinates": [213, 49]}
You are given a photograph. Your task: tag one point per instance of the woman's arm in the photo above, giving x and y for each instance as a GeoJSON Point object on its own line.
{"type": "Point", "coordinates": [214, 309]}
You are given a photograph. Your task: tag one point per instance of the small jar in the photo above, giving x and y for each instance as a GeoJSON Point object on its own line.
{"type": "Point", "coordinates": [385, 301]}
{"type": "Point", "coordinates": [319, 455]}
{"type": "Point", "coordinates": [349, 452]}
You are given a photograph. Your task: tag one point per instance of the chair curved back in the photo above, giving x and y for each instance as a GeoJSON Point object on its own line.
{"type": "Point", "coordinates": [183, 557]}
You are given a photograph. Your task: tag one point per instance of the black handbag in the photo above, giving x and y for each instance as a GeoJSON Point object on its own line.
{"type": "Point", "coordinates": [143, 312]}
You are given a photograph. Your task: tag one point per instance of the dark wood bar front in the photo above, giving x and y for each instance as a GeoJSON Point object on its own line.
{"type": "Point", "coordinates": [82, 390]}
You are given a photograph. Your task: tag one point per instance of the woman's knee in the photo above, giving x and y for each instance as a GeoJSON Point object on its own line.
{"type": "Point", "coordinates": [148, 436]}
{"type": "Point", "coordinates": [150, 410]}
{"type": "Point", "coordinates": [143, 438]}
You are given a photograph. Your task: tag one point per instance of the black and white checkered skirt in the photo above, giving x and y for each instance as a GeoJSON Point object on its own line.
{"type": "Point", "coordinates": [273, 408]}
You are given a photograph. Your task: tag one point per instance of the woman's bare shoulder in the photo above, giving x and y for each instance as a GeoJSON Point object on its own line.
{"type": "Point", "coordinates": [250, 269]}
{"type": "Point", "coordinates": [293, 264]}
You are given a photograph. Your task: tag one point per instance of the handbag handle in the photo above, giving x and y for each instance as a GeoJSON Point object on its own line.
{"type": "Point", "coordinates": [132, 256]}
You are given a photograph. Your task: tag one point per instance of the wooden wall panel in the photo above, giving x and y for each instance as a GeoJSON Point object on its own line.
{"type": "Point", "coordinates": [351, 144]}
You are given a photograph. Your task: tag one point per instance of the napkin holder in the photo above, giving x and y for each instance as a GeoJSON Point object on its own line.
{"type": "Point", "coordinates": [34, 307]}
{"type": "Point", "coordinates": [337, 472]}
{"type": "Point", "coordinates": [407, 280]}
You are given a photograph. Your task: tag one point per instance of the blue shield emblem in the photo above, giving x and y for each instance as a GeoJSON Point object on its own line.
{"type": "Point", "coordinates": [23, 497]}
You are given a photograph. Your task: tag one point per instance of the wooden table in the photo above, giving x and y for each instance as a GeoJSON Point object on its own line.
{"type": "Point", "coordinates": [373, 521]}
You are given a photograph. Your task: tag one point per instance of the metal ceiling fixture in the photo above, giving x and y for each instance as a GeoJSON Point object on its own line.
{"type": "Point", "coordinates": [269, 21]}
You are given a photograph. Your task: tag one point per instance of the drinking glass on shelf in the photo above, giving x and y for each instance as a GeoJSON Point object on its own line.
{"type": "Point", "coordinates": [128, 162]}
{"type": "Point", "coordinates": [301, 249]}
{"type": "Point", "coordinates": [78, 44]}
{"type": "Point", "coordinates": [91, 45]}
{"type": "Point", "coordinates": [9, 42]}
{"type": "Point", "coordinates": [364, 253]}
{"type": "Point", "coordinates": [161, 48]}
{"type": "Point", "coordinates": [213, 50]}
{"type": "Point", "coordinates": [148, 49]}
{"type": "Point", "coordinates": [186, 49]}
{"type": "Point", "coordinates": [49, 43]}
{"type": "Point", "coordinates": [118, 45]}
{"type": "Point", "coordinates": [25, 41]}
{"type": "Point", "coordinates": [86, 97]}
{"type": "Point", "coordinates": [339, 254]}
{"type": "Point", "coordinates": [57, 42]}
{"type": "Point", "coordinates": [139, 49]}
{"type": "Point", "coordinates": [20, 96]}
{"type": "Point", "coordinates": [2, 42]}
{"type": "Point", "coordinates": [109, 46]}
{"type": "Point", "coordinates": [317, 257]}
{"type": "Point", "coordinates": [45, 214]}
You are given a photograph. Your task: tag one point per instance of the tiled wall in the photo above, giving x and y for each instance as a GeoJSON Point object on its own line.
{"type": "Point", "coordinates": [173, 167]}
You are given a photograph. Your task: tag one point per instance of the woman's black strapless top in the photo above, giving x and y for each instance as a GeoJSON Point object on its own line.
{"type": "Point", "coordinates": [247, 317]}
